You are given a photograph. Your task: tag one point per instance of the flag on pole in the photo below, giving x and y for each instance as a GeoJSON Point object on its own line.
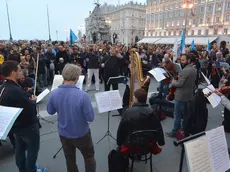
{"type": "Point", "coordinates": [208, 49]}
{"type": "Point", "coordinates": [182, 44]}
{"type": "Point", "coordinates": [193, 45]}
{"type": "Point", "coordinates": [72, 38]}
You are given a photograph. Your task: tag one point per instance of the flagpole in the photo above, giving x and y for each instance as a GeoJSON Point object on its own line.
{"type": "Point", "coordinates": [48, 20]}
{"type": "Point", "coordinates": [57, 34]}
{"type": "Point", "coordinates": [8, 17]}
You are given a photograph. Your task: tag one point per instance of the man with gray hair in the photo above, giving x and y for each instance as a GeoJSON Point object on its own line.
{"type": "Point", "coordinates": [74, 110]}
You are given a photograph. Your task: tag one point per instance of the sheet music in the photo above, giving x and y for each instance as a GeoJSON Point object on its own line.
{"type": "Point", "coordinates": [8, 115]}
{"type": "Point", "coordinates": [214, 99]}
{"type": "Point", "coordinates": [80, 82]}
{"type": "Point", "coordinates": [108, 101]}
{"type": "Point", "coordinates": [198, 157]}
{"type": "Point", "coordinates": [58, 80]}
{"type": "Point", "coordinates": [158, 75]}
{"type": "Point", "coordinates": [206, 79]}
{"type": "Point", "coordinates": [42, 95]}
{"type": "Point", "coordinates": [218, 149]}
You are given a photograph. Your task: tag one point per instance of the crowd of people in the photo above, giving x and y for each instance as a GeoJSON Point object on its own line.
{"type": "Point", "coordinates": [20, 61]}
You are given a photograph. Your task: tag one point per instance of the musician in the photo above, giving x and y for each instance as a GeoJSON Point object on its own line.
{"type": "Point", "coordinates": [183, 94]}
{"type": "Point", "coordinates": [111, 64]}
{"type": "Point", "coordinates": [139, 117]}
{"type": "Point", "coordinates": [170, 68]}
{"type": "Point", "coordinates": [74, 111]}
{"type": "Point", "coordinates": [26, 127]}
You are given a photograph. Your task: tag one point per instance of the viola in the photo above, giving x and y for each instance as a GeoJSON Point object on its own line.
{"type": "Point", "coordinates": [225, 90]}
{"type": "Point", "coordinates": [171, 95]}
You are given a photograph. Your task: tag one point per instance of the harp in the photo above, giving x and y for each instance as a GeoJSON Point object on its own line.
{"type": "Point", "coordinates": [137, 80]}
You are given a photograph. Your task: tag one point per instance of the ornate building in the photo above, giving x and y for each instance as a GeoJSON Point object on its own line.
{"type": "Point", "coordinates": [206, 18]}
{"type": "Point", "coordinates": [96, 27]}
{"type": "Point", "coordinates": [127, 21]}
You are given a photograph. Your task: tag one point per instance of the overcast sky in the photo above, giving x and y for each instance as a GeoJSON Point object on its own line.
{"type": "Point", "coordinates": [29, 17]}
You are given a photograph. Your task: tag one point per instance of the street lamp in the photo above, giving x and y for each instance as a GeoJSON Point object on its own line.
{"type": "Point", "coordinates": [188, 5]}
{"type": "Point", "coordinates": [48, 20]}
{"type": "Point", "coordinates": [8, 17]}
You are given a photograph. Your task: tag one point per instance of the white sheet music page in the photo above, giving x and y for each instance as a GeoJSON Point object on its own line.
{"type": "Point", "coordinates": [115, 99]}
{"type": "Point", "coordinates": [103, 102]}
{"type": "Point", "coordinates": [198, 156]}
{"type": "Point", "coordinates": [159, 76]}
{"type": "Point", "coordinates": [218, 149]}
{"type": "Point", "coordinates": [8, 115]}
{"type": "Point", "coordinates": [214, 99]}
{"type": "Point", "coordinates": [42, 95]}
{"type": "Point", "coordinates": [58, 80]}
{"type": "Point", "coordinates": [80, 81]}
{"type": "Point", "coordinates": [108, 101]}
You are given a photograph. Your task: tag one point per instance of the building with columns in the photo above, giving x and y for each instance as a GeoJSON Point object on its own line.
{"type": "Point", "coordinates": [166, 18]}
{"type": "Point", "coordinates": [127, 21]}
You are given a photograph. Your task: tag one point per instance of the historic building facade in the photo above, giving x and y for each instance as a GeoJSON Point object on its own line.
{"type": "Point", "coordinates": [206, 18]}
{"type": "Point", "coordinates": [126, 21]}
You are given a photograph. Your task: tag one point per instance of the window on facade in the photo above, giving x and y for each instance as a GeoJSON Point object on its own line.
{"type": "Point", "coordinates": [227, 18]}
{"type": "Point", "coordinates": [218, 7]}
{"type": "Point", "coordinates": [199, 32]}
{"type": "Point", "coordinates": [215, 32]}
{"type": "Point", "coordinates": [155, 33]}
{"type": "Point", "coordinates": [201, 9]}
{"type": "Point", "coordinates": [192, 33]}
{"type": "Point", "coordinates": [164, 33]}
{"type": "Point", "coordinates": [225, 31]}
{"type": "Point", "coordinates": [228, 6]}
{"type": "Point", "coordinates": [178, 23]}
{"type": "Point", "coordinates": [172, 23]}
{"type": "Point", "coordinates": [160, 34]}
{"type": "Point", "coordinates": [217, 19]}
{"type": "Point", "coordinates": [194, 21]}
{"type": "Point", "coordinates": [169, 33]}
{"type": "Point", "coordinates": [208, 20]}
{"type": "Point", "coordinates": [207, 32]}
{"type": "Point", "coordinates": [201, 21]}
{"type": "Point", "coordinates": [210, 8]}
{"type": "Point", "coordinates": [174, 33]}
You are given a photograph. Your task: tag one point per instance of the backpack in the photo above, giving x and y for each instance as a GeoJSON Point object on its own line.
{"type": "Point", "coordinates": [117, 162]}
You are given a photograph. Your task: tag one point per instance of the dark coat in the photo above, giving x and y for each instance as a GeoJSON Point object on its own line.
{"type": "Point", "coordinates": [139, 117]}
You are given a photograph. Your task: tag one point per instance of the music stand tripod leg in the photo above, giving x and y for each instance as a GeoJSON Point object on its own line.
{"type": "Point", "coordinates": [40, 117]}
{"type": "Point", "coordinates": [57, 153]}
{"type": "Point", "coordinates": [108, 133]}
{"type": "Point", "coordinates": [181, 158]}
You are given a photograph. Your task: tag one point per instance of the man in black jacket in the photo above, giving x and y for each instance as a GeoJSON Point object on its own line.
{"type": "Point", "coordinates": [111, 64]}
{"type": "Point", "coordinates": [139, 117]}
{"type": "Point", "coordinates": [25, 127]}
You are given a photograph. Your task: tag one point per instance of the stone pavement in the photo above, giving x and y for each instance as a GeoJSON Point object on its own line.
{"type": "Point", "coordinates": [167, 161]}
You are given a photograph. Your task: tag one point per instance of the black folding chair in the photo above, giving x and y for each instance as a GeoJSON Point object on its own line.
{"type": "Point", "coordinates": [142, 140]}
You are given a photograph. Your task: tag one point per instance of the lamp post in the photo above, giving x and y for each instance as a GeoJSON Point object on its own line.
{"type": "Point", "coordinates": [8, 17]}
{"type": "Point", "coordinates": [48, 20]}
{"type": "Point", "coordinates": [188, 5]}
{"type": "Point", "coordinates": [57, 34]}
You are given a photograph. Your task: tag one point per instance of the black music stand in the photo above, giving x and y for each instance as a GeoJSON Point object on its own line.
{"type": "Point", "coordinates": [108, 133]}
{"type": "Point", "coordinates": [116, 80]}
{"type": "Point", "coordinates": [181, 142]}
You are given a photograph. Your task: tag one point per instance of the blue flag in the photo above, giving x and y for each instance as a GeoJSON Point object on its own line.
{"type": "Point", "coordinates": [72, 38]}
{"type": "Point", "coordinates": [182, 44]}
{"type": "Point", "coordinates": [208, 49]}
{"type": "Point", "coordinates": [193, 45]}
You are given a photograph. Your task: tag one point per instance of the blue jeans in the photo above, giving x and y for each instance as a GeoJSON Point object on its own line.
{"type": "Point", "coordinates": [181, 109]}
{"type": "Point", "coordinates": [27, 147]}
{"type": "Point", "coordinates": [163, 89]}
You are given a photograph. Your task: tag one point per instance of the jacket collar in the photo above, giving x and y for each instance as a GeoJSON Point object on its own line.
{"type": "Point", "coordinates": [8, 81]}
{"type": "Point", "coordinates": [68, 86]}
{"type": "Point", "coordinates": [140, 105]}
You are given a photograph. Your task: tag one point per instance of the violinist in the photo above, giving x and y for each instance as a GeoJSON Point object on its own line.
{"type": "Point", "coordinates": [170, 68]}
{"type": "Point", "coordinates": [184, 94]}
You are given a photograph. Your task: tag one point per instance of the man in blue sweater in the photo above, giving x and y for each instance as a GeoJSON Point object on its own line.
{"type": "Point", "coordinates": [75, 111]}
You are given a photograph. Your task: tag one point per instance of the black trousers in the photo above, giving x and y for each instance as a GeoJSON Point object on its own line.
{"type": "Point", "coordinates": [107, 86]}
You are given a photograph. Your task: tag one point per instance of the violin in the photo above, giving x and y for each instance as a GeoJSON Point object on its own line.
{"type": "Point", "coordinates": [171, 95]}
{"type": "Point", "coordinates": [225, 90]}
